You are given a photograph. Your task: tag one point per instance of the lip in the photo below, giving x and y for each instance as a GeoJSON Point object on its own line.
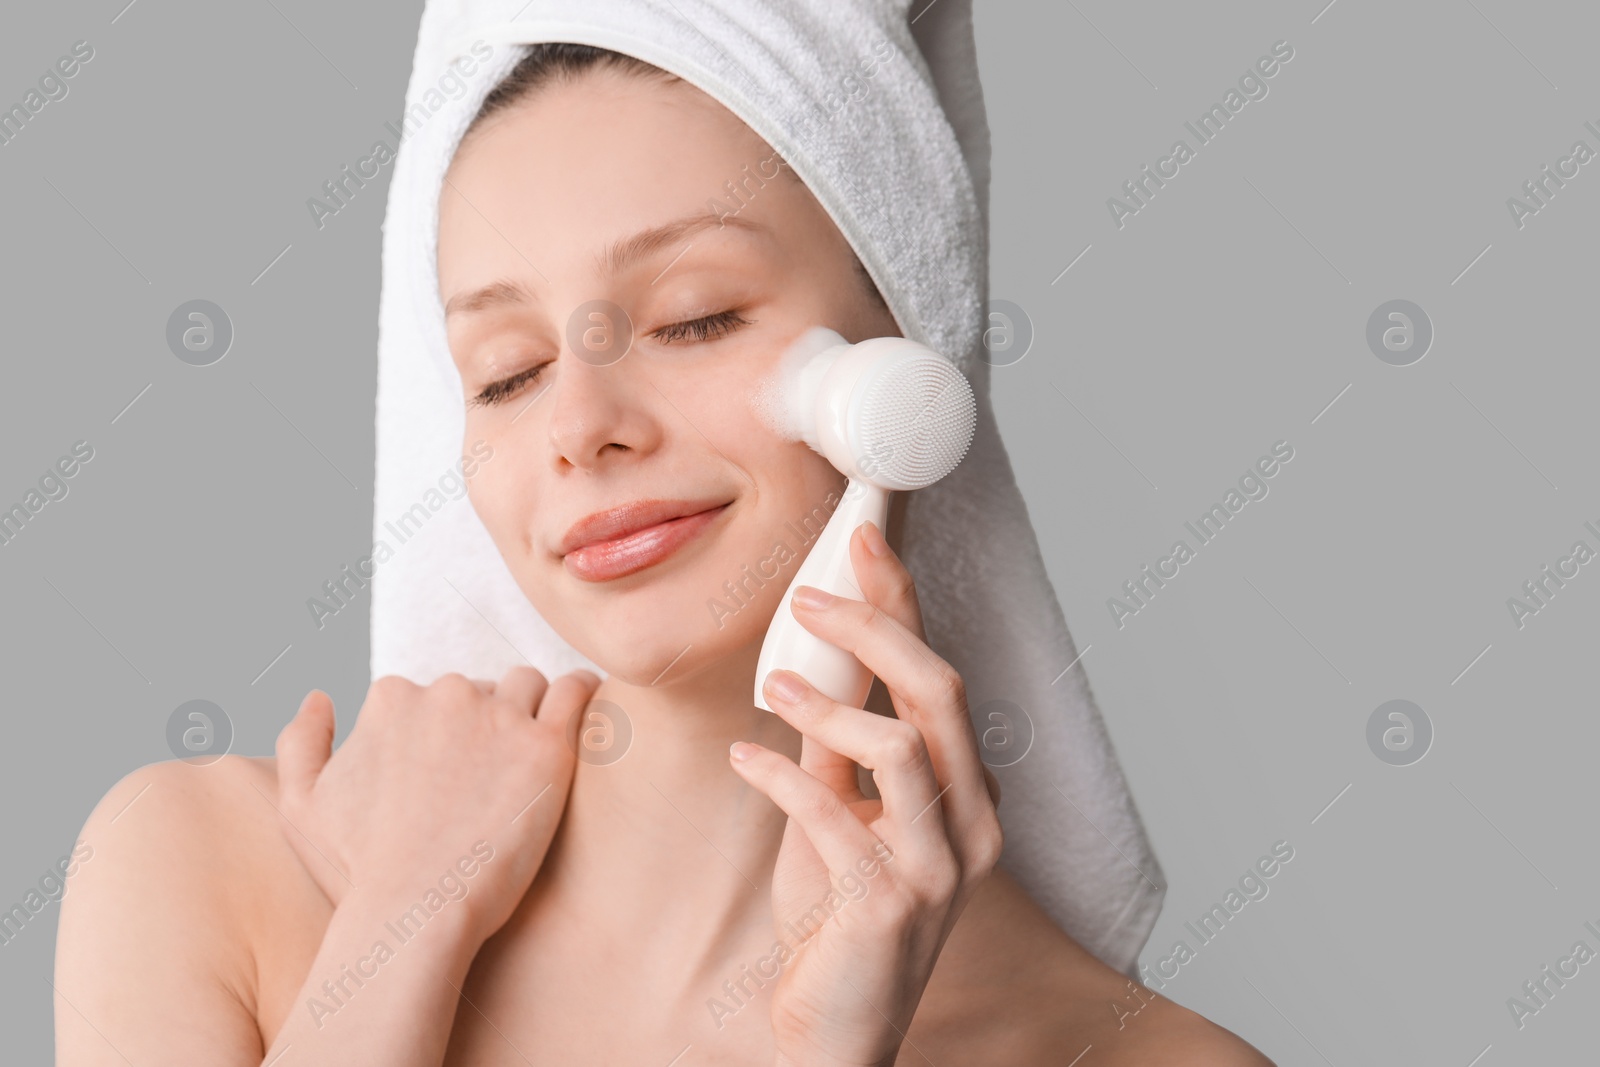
{"type": "Point", "coordinates": [622, 540]}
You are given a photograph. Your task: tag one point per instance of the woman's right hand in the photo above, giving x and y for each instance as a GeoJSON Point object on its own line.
{"type": "Point", "coordinates": [427, 773]}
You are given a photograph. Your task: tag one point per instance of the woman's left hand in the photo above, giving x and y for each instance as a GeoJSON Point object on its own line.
{"type": "Point", "coordinates": [885, 880]}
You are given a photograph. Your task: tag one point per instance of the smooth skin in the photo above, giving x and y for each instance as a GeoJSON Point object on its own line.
{"type": "Point", "coordinates": [453, 884]}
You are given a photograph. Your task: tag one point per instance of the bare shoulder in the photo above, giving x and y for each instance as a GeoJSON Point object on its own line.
{"type": "Point", "coordinates": [1012, 989]}
{"type": "Point", "coordinates": [173, 831]}
{"type": "Point", "coordinates": [161, 921]}
{"type": "Point", "coordinates": [205, 832]}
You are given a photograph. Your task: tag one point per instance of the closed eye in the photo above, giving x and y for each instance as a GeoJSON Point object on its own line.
{"type": "Point", "coordinates": [707, 328]}
{"type": "Point", "coordinates": [499, 392]}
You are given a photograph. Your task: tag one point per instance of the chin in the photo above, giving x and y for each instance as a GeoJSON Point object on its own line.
{"type": "Point", "coordinates": [665, 656]}
{"type": "Point", "coordinates": [666, 632]}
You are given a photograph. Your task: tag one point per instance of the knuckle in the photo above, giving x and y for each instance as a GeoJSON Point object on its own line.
{"type": "Point", "coordinates": [391, 689]}
{"type": "Point", "coordinates": [943, 878]}
{"type": "Point", "coordinates": [522, 672]}
{"type": "Point", "coordinates": [901, 586]}
{"type": "Point", "coordinates": [904, 747]}
{"type": "Point", "coordinates": [929, 885]}
{"type": "Point", "coordinates": [573, 686]}
{"type": "Point", "coordinates": [818, 805]}
{"type": "Point", "coordinates": [454, 687]}
{"type": "Point", "coordinates": [948, 685]}
{"type": "Point", "coordinates": [988, 843]}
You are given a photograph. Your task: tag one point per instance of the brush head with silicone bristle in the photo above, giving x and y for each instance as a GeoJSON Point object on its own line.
{"type": "Point", "coordinates": [911, 415]}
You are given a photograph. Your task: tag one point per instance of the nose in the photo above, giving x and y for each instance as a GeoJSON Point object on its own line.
{"type": "Point", "coordinates": [598, 407]}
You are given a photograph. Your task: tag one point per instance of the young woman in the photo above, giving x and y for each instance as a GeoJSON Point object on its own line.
{"type": "Point", "coordinates": [455, 885]}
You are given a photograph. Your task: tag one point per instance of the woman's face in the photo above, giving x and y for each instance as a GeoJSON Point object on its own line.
{"type": "Point", "coordinates": [541, 218]}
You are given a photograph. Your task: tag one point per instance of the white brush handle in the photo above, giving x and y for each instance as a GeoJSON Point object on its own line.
{"type": "Point", "coordinates": [789, 644]}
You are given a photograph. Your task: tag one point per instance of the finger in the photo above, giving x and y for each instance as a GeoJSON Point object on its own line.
{"type": "Point", "coordinates": [884, 580]}
{"type": "Point", "coordinates": [887, 585]}
{"type": "Point", "coordinates": [891, 748]}
{"type": "Point", "coordinates": [839, 838]}
{"type": "Point", "coordinates": [567, 699]}
{"type": "Point", "coordinates": [305, 745]}
{"type": "Point", "coordinates": [993, 785]}
{"type": "Point", "coordinates": [524, 687]}
{"type": "Point", "coordinates": [485, 686]}
{"type": "Point", "coordinates": [836, 771]}
{"type": "Point", "coordinates": [925, 690]}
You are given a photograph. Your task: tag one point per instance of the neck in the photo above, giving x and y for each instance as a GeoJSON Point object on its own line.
{"type": "Point", "coordinates": [666, 834]}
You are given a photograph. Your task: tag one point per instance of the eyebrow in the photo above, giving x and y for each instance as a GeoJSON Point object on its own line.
{"type": "Point", "coordinates": [617, 257]}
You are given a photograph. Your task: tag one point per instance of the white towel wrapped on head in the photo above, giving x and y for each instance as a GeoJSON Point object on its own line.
{"type": "Point", "coordinates": [880, 112]}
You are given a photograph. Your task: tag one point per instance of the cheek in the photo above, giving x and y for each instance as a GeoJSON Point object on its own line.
{"type": "Point", "coordinates": [505, 496]}
{"type": "Point", "coordinates": [816, 477]}
{"type": "Point", "coordinates": [802, 492]}
{"type": "Point", "coordinates": [501, 493]}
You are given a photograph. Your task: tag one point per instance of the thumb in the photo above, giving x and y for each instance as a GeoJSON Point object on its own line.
{"type": "Point", "coordinates": [305, 745]}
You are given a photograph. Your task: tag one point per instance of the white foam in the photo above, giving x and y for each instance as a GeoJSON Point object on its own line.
{"type": "Point", "coordinates": [779, 396]}
{"type": "Point", "coordinates": [771, 401]}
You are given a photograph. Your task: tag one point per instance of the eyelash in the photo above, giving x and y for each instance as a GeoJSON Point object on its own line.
{"type": "Point", "coordinates": [706, 328]}
{"type": "Point", "coordinates": [709, 328]}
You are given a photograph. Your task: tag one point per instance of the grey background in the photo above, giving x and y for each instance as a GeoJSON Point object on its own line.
{"type": "Point", "coordinates": [1228, 314]}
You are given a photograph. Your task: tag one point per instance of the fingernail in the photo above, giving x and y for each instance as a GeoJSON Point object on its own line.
{"type": "Point", "coordinates": [785, 686]}
{"type": "Point", "coordinates": [812, 597]}
{"type": "Point", "coordinates": [876, 544]}
{"type": "Point", "coordinates": [741, 750]}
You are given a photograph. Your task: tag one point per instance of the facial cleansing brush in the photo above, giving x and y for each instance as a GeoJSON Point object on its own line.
{"type": "Point", "coordinates": [888, 413]}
